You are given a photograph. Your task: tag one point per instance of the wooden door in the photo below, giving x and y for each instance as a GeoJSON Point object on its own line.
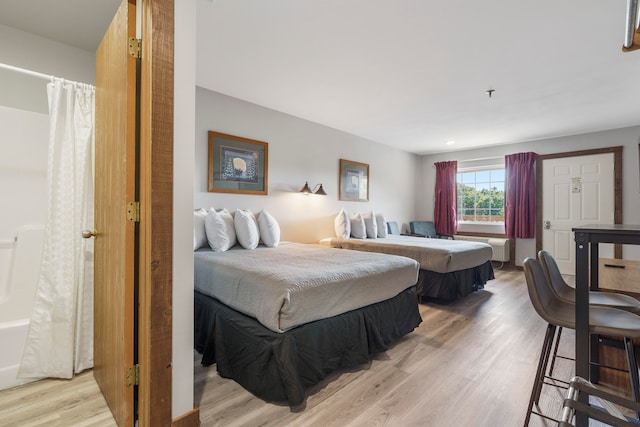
{"type": "Point", "coordinates": [576, 191]}
{"type": "Point", "coordinates": [115, 243]}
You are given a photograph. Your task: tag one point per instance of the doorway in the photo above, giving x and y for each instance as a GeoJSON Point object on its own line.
{"type": "Point", "coordinates": [154, 216]}
{"type": "Point", "coordinates": [572, 189]}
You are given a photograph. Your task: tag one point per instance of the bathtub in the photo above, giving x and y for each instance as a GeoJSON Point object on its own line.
{"type": "Point", "coordinates": [19, 271]}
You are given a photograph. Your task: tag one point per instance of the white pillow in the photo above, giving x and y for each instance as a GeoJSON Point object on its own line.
{"type": "Point", "coordinates": [246, 229]}
{"type": "Point", "coordinates": [269, 229]}
{"type": "Point", "coordinates": [370, 224]}
{"type": "Point", "coordinates": [342, 225]}
{"type": "Point", "coordinates": [199, 232]}
{"type": "Point", "coordinates": [358, 229]}
{"type": "Point", "coordinates": [221, 233]}
{"type": "Point", "coordinates": [382, 225]}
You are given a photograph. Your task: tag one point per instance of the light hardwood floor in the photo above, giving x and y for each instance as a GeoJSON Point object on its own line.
{"type": "Point", "coordinates": [470, 363]}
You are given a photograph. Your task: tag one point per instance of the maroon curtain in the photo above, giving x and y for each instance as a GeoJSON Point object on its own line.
{"type": "Point", "coordinates": [520, 195]}
{"type": "Point", "coordinates": [445, 213]}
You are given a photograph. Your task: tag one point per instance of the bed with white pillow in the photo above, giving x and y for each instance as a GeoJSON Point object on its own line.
{"type": "Point", "coordinates": [449, 269]}
{"type": "Point", "coordinates": [278, 317]}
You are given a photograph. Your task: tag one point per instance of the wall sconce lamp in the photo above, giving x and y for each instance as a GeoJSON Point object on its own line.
{"type": "Point", "coordinates": [316, 190]}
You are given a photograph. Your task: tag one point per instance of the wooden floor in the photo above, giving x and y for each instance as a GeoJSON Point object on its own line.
{"type": "Point", "coordinates": [55, 402]}
{"type": "Point", "coordinates": [470, 363]}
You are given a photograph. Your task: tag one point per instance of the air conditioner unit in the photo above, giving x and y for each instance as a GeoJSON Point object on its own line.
{"type": "Point", "coordinates": [500, 246]}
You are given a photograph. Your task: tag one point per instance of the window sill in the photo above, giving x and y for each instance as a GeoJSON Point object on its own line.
{"type": "Point", "coordinates": [501, 224]}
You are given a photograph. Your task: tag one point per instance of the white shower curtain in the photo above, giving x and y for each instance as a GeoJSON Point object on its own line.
{"type": "Point", "coordinates": [60, 338]}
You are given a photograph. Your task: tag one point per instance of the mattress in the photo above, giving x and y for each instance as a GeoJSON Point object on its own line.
{"type": "Point", "coordinates": [438, 255]}
{"type": "Point", "coordinates": [293, 284]}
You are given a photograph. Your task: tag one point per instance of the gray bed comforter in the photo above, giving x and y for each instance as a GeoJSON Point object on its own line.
{"type": "Point", "coordinates": [438, 255]}
{"type": "Point", "coordinates": [294, 283]}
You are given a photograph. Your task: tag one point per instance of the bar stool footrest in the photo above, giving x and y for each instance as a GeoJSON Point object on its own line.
{"type": "Point", "coordinates": [606, 414]}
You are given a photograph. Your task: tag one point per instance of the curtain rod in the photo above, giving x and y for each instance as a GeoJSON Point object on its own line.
{"type": "Point", "coordinates": [37, 74]}
{"type": "Point", "coordinates": [24, 71]}
{"type": "Point", "coordinates": [482, 159]}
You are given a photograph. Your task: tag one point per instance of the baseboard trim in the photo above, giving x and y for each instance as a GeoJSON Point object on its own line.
{"type": "Point", "coordinates": [188, 419]}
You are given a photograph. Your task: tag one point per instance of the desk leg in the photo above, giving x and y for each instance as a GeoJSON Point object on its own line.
{"type": "Point", "coordinates": [582, 317]}
{"type": "Point", "coordinates": [593, 281]}
{"type": "Point", "coordinates": [594, 267]}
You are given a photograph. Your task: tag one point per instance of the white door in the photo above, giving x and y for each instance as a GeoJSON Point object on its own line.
{"type": "Point", "coordinates": [575, 191]}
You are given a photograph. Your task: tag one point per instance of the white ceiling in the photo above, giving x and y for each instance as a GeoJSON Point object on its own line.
{"type": "Point", "coordinates": [407, 73]}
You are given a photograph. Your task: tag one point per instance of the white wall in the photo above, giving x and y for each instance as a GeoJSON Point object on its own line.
{"type": "Point", "coordinates": [301, 151]}
{"type": "Point", "coordinates": [183, 159]}
{"type": "Point", "coordinates": [626, 137]}
{"type": "Point", "coordinates": [23, 170]}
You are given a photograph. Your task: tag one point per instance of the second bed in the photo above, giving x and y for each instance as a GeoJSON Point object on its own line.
{"type": "Point", "coordinates": [449, 269]}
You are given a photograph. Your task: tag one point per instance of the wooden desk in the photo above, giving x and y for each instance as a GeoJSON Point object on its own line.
{"type": "Point", "coordinates": [587, 239]}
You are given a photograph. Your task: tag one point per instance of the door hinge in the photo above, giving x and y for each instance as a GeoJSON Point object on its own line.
{"type": "Point", "coordinates": [133, 211]}
{"type": "Point", "coordinates": [132, 375]}
{"type": "Point", "coordinates": [135, 47]}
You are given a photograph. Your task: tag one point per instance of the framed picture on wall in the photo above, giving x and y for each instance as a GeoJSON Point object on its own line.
{"type": "Point", "coordinates": [237, 165]}
{"type": "Point", "coordinates": [354, 181]}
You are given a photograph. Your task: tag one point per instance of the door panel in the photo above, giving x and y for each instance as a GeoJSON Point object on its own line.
{"type": "Point", "coordinates": [115, 242]}
{"type": "Point", "coordinates": [562, 245]}
{"type": "Point", "coordinates": [576, 191]}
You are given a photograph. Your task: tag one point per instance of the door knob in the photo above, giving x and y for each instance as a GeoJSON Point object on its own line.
{"type": "Point", "coordinates": [87, 234]}
{"type": "Point", "coordinates": [547, 225]}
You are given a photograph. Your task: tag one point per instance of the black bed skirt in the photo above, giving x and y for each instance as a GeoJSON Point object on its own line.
{"type": "Point", "coordinates": [453, 285]}
{"type": "Point", "coordinates": [279, 367]}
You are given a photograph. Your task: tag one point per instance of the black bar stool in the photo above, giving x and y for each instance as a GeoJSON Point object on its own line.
{"type": "Point", "coordinates": [559, 312]}
{"type": "Point", "coordinates": [567, 293]}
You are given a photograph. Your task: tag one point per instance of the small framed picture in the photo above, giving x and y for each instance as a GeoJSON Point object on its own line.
{"type": "Point", "coordinates": [237, 165]}
{"type": "Point", "coordinates": [354, 181]}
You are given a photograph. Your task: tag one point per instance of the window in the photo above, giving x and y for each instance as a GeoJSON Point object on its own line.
{"type": "Point", "coordinates": [481, 195]}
